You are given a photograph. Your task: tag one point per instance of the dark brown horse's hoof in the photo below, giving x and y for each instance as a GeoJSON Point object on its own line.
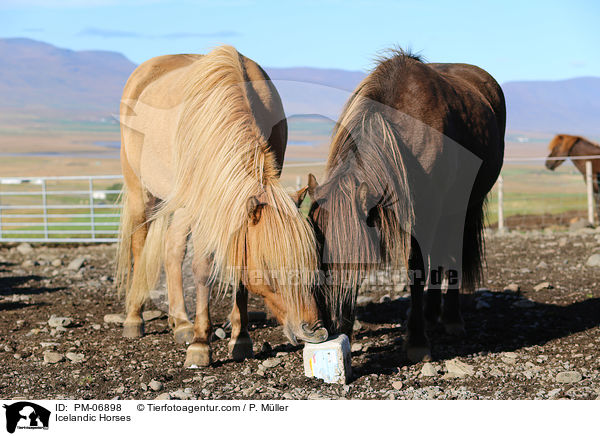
{"type": "Point", "coordinates": [418, 348]}
{"type": "Point", "coordinates": [431, 324]}
{"type": "Point", "coordinates": [184, 333]}
{"type": "Point", "coordinates": [418, 354]}
{"type": "Point", "coordinates": [133, 329]}
{"type": "Point", "coordinates": [241, 348]}
{"type": "Point", "coordinates": [198, 356]}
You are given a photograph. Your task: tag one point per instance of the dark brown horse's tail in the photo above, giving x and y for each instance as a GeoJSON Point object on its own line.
{"type": "Point", "coordinates": [473, 246]}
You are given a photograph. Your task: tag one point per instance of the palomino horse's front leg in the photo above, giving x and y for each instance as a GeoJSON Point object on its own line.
{"type": "Point", "coordinates": [417, 344]}
{"type": "Point", "coordinates": [198, 353]}
{"type": "Point", "coordinates": [175, 245]}
{"type": "Point", "coordinates": [240, 345]}
{"type": "Point", "coordinates": [133, 327]}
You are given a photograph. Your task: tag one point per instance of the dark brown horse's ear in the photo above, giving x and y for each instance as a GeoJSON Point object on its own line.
{"type": "Point", "coordinates": [254, 208]}
{"type": "Point", "coordinates": [363, 198]}
{"type": "Point", "coordinates": [298, 196]}
{"type": "Point", "coordinates": [312, 186]}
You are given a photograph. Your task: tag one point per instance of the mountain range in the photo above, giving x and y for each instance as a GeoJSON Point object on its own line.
{"type": "Point", "coordinates": [41, 79]}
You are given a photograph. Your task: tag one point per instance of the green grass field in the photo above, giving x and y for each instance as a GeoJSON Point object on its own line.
{"type": "Point", "coordinates": [531, 189]}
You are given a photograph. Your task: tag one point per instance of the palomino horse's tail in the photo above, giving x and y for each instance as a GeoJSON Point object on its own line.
{"type": "Point", "coordinates": [124, 260]}
{"type": "Point", "coordinates": [148, 267]}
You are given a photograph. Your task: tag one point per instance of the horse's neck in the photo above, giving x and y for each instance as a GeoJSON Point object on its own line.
{"type": "Point", "coordinates": [584, 148]}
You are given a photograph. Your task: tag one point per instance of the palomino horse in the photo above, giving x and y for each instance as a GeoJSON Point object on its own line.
{"type": "Point", "coordinates": [413, 156]}
{"type": "Point", "coordinates": [203, 141]}
{"type": "Point", "coordinates": [565, 146]}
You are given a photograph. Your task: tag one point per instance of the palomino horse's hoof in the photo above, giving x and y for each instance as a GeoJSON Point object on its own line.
{"type": "Point", "coordinates": [133, 329]}
{"type": "Point", "coordinates": [184, 334]}
{"type": "Point", "coordinates": [241, 348]}
{"type": "Point", "coordinates": [455, 328]}
{"type": "Point", "coordinates": [198, 355]}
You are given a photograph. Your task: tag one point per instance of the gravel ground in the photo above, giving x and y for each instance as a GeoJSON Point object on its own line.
{"type": "Point", "coordinates": [533, 332]}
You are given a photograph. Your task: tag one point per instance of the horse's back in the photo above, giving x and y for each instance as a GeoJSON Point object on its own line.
{"type": "Point", "coordinates": [150, 71]}
{"type": "Point", "coordinates": [450, 116]}
{"type": "Point", "coordinates": [466, 105]}
{"type": "Point", "coordinates": [482, 81]}
{"type": "Point", "coordinates": [152, 103]}
{"type": "Point", "coordinates": [480, 118]}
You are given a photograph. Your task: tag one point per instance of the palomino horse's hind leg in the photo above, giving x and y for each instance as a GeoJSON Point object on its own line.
{"type": "Point", "coordinates": [133, 327]}
{"type": "Point", "coordinates": [417, 344]}
{"type": "Point", "coordinates": [240, 345]}
{"type": "Point", "coordinates": [198, 353]}
{"type": "Point", "coordinates": [175, 246]}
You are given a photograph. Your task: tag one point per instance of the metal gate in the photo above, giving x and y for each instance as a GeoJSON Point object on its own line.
{"type": "Point", "coordinates": [60, 209]}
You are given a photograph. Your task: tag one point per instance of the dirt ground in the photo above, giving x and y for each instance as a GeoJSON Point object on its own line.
{"type": "Point", "coordinates": [520, 343]}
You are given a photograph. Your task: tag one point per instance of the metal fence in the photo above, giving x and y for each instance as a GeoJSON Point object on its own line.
{"type": "Point", "coordinates": [59, 209]}
{"type": "Point", "coordinates": [85, 208]}
{"type": "Point", "coordinates": [528, 195]}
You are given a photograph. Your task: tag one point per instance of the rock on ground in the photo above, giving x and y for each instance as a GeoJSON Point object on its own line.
{"type": "Point", "coordinates": [459, 369]}
{"type": "Point", "coordinates": [428, 370]}
{"type": "Point", "coordinates": [24, 248]}
{"type": "Point", "coordinates": [568, 377]}
{"type": "Point", "coordinates": [75, 357]}
{"type": "Point", "coordinates": [593, 260]}
{"type": "Point", "coordinates": [59, 321]}
{"type": "Point", "coordinates": [271, 363]}
{"type": "Point", "coordinates": [53, 357]}
{"type": "Point", "coordinates": [114, 318]}
{"type": "Point", "coordinates": [151, 315]}
{"type": "Point", "coordinates": [155, 385]}
{"type": "Point", "coordinates": [76, 263]}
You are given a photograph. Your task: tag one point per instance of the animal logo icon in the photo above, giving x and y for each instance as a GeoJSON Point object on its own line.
{"type": "Point", "coordinates": [27, 415]}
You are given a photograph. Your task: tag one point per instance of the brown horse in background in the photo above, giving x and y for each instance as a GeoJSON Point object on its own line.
{"type": "Point", "coordinates": [565, 146]}
{"type": "Point", "coordinates": [414, 154]}
{"type": "Point", "coordinates": [203, 140]}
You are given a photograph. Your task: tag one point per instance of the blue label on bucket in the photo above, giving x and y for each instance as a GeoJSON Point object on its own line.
{"type": "Point", "coordinates": [324, 365]}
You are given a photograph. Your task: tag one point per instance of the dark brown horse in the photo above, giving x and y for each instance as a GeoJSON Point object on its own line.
{"type": "Point", "coordinates": [414, 154]}
{"type": "Point", "coordinates": [566, 146]}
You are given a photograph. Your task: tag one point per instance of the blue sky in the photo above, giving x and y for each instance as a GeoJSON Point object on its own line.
{"type": "Point", "coordinates": [513, 40]}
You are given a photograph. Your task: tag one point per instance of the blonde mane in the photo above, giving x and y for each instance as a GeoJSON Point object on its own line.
{"type": "Point", "coordinates": [221, 159]}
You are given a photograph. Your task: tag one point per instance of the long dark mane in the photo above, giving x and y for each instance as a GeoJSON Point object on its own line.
{"type": "Point", "coordinates": [366, 151]}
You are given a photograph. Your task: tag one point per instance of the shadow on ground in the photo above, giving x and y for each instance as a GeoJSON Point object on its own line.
{"type": "Point", "coordinates": [502, 327]}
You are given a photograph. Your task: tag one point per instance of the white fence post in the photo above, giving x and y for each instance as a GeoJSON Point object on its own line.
{"type": "Point", "coordinates": [500, 204]}
{"type": "Point", "coordinates": [92, 214]}
{"type": "Point", "coordinates": [590, 191]}
{"type": "Point", "coordinates": [45, 208]}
